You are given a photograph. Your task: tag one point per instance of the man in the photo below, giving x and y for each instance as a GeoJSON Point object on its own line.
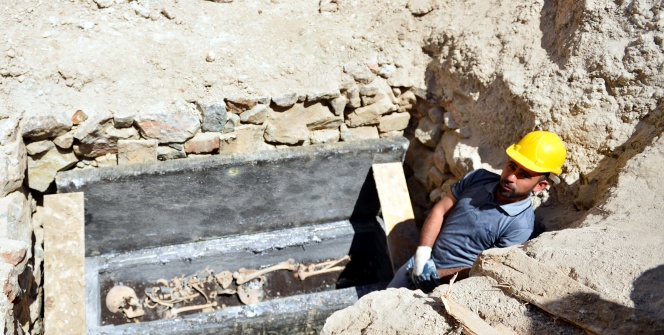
{"type": "Point", "coordinates": [482, 211]}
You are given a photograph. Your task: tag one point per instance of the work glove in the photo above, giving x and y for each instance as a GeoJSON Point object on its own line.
{"type": "Point", "coordinates": [424, 274]}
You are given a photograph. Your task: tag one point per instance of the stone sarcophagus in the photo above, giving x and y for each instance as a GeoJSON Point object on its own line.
{"type": "Point", "coordinates": [269, 242]}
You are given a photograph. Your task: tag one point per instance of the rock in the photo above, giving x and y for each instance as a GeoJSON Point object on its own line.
{"type": "Point", "coordinates": [137, 151]}
{"type": "Point", "coordinates": [239, 104]}
{"type": "Point", "coordinates": [394, 133]}
{"type": "Point", "coordinates": [107, 160]}
{"type": "Point", "coordinates": [64, 141]}
{"type": "Point", "coordinates": [421, 7]}
{"type": "Point", "coordinates": [168, 126]}
{"type": "Point", "coordinates": [140, 10]}
{"type": "Point", "coordinates": [285, 100]}
{"type": "Point", "coordinates": [104, 3]}
{"type": "Point", "coordinates": [202, 143]}
{"type": "Point", "coordinates": [435, 177]}
{"type": "Point", "coordinates": [393, 122]}
{"type": "Point", "coordinates": [361, 133]}
{"type": "Point", "coordinates": [368, 94]}
{"type": "Point", "coordinates": [324, 136]}
{"type": "Point", "coordinates": [353, 95]}
{"type": "Point", "coordinates": [460, 157]}
{"type": "Point", "coordinates": [228, 143]}
{"type": "Point", "coordinates": [322, 95]}
{"type": "Point", "coordinates": [210, 57]}
{"type": "Point", "coordinates": [293, 125]}
{"type": "Point", "coordinates": [45, 126]}
{"type": "Point", "coordinates": [79, 117]}
{"type": "Point", "coordinates": [9, 282]}
{"type": "Point", "coordinates": [43, 168]}
{"type": "Point", "coordinates": [13, 163]}
{"type": "Point", "coordinates": [439, 159]}
{"type": "Point", "coordinates": [214, 116]}
{"type": "Point", "coordinates": [436, 114]}
{"type": "Point", "coordinates": [250, 138]}
{"type": "Point", "coordinates": [360, 72]}
{"type": "Point", "coordinates": [428, 132]}
{"type": "Point", "coordinates": [36, 148]}
{"type": "Point", "coordinates": [256, 115]}
{"type": "Point", "coordinates": [104, 141]}
{"type": "Point", "coordinates": [9, 127]}
{"type": "Point", "coordinates": [407, 101]}
{"type": "Point", "coordinates": [234, 121]}
{"type": "Point", "coordinates": [374, 313]}
{"type": "Point", "coordinates": [369, 115]}
{"type": "Point", "coordinates": [448, 120]}
{"type": "Point", "coordinates": [15, 216]}
{"type": "Point", "coordinates": [171, 151]}
{"type": "Point", "coordinates": [13, 252]}
{"type": "Point", "coordinates": [376, 91]}
{"type": "Point", "coordinates": [328, 6]}
{"type": "Point", "coordinates": [338, 105]}
{"type": "Point", "coordinates": [123, 119]}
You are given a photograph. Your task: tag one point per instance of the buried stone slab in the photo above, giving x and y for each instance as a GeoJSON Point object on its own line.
{"type": "Point", "coordinates": [183, 201]}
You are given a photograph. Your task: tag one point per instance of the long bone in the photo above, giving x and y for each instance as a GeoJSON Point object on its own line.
{"type": "Point", "coordinates": [173, 312]}
{"type": "Point", "coordinates": [324, 267]}
{"type": "Point", "coordinates": [244, 275]}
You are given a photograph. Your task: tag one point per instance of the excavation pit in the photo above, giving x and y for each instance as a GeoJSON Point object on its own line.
{"type": "Point", "coordinates": [177, 219]}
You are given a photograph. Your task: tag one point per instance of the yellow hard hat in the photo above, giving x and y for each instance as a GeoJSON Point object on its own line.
{"type": "Point", "coordinates": [539, 151]}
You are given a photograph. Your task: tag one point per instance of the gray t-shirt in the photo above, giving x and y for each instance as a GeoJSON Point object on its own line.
{"type": "Point", "coordinates": [477, 222]}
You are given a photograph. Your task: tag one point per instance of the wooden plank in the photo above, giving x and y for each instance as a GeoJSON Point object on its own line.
{"type": "Point", "coordinates": [471, 322]}
{"type": "Point", "coordinates": [402, 234]}
{"type": "Point", "coordinates": [64, 264]}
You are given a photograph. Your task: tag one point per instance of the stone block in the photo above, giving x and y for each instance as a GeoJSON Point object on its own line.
{"type": "Point", "coordinates": [293, 126]}
{"type": "Point", "coordinates": [228, 143]}
{"type": "Point", "coordinates": [64, 141]}
{"type": "Point", "coordinates": [171, 151]}
{"type": "Point", "coordinates": [64, 264]}
{"type": "Point", "coordinates": [407, 101]}
{"type": "Point", "coordinates": [137, 151]}
{"type": "Point", "coordinates": [42, 126]}
{"type": "Point", "coordinates": [202, 143]}
{"type": "Point", "coordinates": [214, 117]}
{"type": "Point", "coordinates": [393, 122]}
{"type": "Point", "coordinates": [256, 115]}
{"type": "Point", "coordinates": [237, 105]}
{"type": "Point", "coordinates": [97, 136]}
{"type": "Point", "coordinates": [353, 95]}
{"type": "Point", "coordinates": [360, 72]}
{"type": "Point", "coordinates": [285, 100]}
{"type": "Point", "coordinates": [15, 218]}
{"type": "Point", "coordinates": [428, 133]}
{"type": "Point", "coordinates": [460, 157]}
{"type": "Point", "coordinates": [369, 115]}
{"type": "Point", "coordinates": [167, 126]}
{"type": "Point", "coordinates": [324, 136]}
{"type": "Point", "coordinates": [338, 105]}
{"type": "Point", "coordinates": [13, 252]}
{"type": "Point", "coordinates": [36, 148]}
{"type": "Point", "coordinates": [361, 133]}
{"type": "Point", "coordinates": [9, 281]}
{"type": "Point", "coordinates": [322, 95]}
{"type": "Point", "coordinates": [107, 160]}
{"type": "Point", "coordinates": [123, 119]}
{"type": "Point", "coordinates": [13, 163]}
{"type": "Point", "coordinates": [79, 117]}
{"type": "Point", "coordinates": [43, 168]}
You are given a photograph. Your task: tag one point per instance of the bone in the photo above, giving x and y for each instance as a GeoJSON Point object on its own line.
{"type": "Point", "coordinates": [243, 275]}
{"type": "Point", "coordinates": [251, 293]}
{"type": "Point", "coordinates": [225, 278]}
{"type": "Point", "coordinates": [175, 311]}
{"type": "Point", "coordinates": [304, 273]}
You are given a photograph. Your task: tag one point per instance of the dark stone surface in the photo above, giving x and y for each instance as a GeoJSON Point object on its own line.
{"type": "Point", "coordinates": [173, 202]}
{"type": "Point", "coordinates": [214, 117]}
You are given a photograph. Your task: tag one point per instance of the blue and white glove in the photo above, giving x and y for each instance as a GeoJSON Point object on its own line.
{"type": "Point", "coordinates": [424, 274]}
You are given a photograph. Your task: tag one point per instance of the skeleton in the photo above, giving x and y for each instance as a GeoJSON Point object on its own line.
{"type": "Point", "coordinates": [244, 275]}
{"type": "Point", "coordinates": [303, 272]}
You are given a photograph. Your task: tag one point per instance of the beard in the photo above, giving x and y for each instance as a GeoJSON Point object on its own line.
{"type": "Point", "coordinates": [511, 192]}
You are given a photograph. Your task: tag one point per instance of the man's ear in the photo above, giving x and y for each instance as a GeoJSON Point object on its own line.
{"type": "Point", "coordinates": [541, 185]}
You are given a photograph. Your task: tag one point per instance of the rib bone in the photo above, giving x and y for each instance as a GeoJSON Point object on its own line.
{"type": "Point", "coordinates": [244, 275]}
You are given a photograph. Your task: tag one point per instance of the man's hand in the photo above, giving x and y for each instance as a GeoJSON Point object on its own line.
{"type": "Point", "coordinates": [428, 279]}
{"type": "Point", "coordinates": [422, 255]}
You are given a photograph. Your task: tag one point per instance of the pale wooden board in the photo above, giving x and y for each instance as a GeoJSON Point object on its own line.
{"type": "Point", "coordinates": [64, 264]}
{"type": "Point", "coordinates": [402, 234]}
{"type": "Point", "coordinates": [472, 323]}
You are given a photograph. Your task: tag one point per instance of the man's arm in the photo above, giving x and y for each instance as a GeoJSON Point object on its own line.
{"type": "Point", "coordinates": [434, 222]}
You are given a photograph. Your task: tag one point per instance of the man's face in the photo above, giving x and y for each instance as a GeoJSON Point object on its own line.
{"type": "Point", "coordinates": [517, 182]}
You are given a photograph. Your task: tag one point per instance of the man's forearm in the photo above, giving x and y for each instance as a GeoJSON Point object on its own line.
{"type": "Point", "coordinates": [434, 222]}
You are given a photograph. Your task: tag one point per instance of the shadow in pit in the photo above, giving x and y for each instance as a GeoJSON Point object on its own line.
{"type": "Point", "coordinates": [593, 313]}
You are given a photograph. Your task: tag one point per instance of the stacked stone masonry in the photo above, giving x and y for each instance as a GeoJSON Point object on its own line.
{"type": "Point", "coordinates": [34, 149]}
